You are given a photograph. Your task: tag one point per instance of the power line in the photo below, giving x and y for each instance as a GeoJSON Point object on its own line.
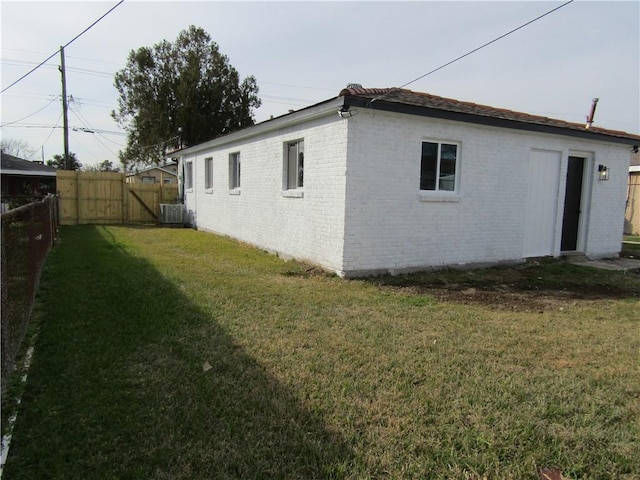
{"type": "Point", "coordinates": [52, 130]}
{"type": "Point", "coordinates": [85, 71]}
{"type": "Point", "coordinates": [65, 45]}
{"type": "Point", "coordinates": [30, 115]}
{"type": "Point", "coordinates": [72, 127]}
{"type": "Point", "coordinates": [296, 86]}
{"type": "Point", "coordinates": [90, 129]}
{"type": "Point", "coordinates": [83, 119]}
{"type": "Point", "coordinates": [484, 45]}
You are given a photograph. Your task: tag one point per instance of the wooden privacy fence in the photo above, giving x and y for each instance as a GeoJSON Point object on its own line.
{"type": "Point", "coordinates": [105, 198]}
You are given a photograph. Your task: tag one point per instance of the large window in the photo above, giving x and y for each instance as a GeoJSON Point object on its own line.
{"type": "Point", "coordinates": [208, 173]}
{"type": "Point", "coordinates": [438, 167]}
{"type": "Point", "coordinates": [188, 175]}
{"type": "Point", "coordinates": [234, 170]}
{"type": "Point", "coordinates": [294, 165]}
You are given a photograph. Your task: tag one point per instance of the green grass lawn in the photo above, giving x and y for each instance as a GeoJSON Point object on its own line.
{"type": "Point", "coordinates": [631, 246]}
{"type": "Point", "coordinates": [176, 354]}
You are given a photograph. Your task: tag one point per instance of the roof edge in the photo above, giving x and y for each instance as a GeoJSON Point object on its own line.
{"type": "Point", "coordinates": [374, 98]}
{"type": "Point", "coordinates": [318, 110]}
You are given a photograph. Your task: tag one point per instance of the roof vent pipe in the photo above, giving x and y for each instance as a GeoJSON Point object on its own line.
{"type": "Point", "coordinates": [592, 113]}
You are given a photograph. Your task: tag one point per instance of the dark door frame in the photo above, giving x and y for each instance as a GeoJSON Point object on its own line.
{"type": "Point", "coordinates": [574, 202]}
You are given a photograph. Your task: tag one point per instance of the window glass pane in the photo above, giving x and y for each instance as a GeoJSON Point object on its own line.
{"type": "Point", "coordinates": [448, 154]}
{"type": "Point", "coordinates": [208, 172]}
{"type": "Point", "coordinates": [292, 167]}
{"type": "Point", "coordinates": [188, 181]}
{"type": "Point", "coordinates": [300, 169]}
{"type": "Point", "coordinates": [234, 170]}
{"type": "Point", "coordinates": [428, 166]}
{"type": "Point", "coordinates": [238, 172]}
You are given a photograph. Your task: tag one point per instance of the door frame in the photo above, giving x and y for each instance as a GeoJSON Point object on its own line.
{"type": "Point", "coordinates": [585, 197]}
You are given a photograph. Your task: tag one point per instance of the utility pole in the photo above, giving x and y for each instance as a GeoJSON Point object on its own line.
{"type": "Point", "coordinates": [65, 120]}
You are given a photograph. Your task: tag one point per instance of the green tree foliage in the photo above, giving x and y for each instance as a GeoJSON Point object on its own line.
{"type": "Point", "coordinates": [187, 84]}
{"type": "Point", "coordinates": [58, 162]}
{"type": "Point", "coordinates": [104, 166]}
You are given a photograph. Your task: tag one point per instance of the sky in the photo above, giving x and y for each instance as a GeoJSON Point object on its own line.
{"type": "Point", "coordinates": [302, 53]}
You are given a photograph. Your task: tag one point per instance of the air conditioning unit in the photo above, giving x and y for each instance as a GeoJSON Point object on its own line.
{"type": "Point", "coordinates": [171, 213]}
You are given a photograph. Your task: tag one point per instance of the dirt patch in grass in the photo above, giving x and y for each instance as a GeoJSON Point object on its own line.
{"type": "Point", "coordinates": [507, 297]}
{"type": "Point", "coordinates": [530, 287]}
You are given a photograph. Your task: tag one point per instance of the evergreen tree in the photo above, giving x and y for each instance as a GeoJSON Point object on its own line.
{"type": "Point", "coordinates": [180, 93]}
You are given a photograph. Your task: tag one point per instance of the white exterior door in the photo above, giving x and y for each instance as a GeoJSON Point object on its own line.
{"type": "Point", "coordinates": [542, 203]}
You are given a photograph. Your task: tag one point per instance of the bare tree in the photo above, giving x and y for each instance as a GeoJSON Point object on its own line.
{"type": "Point", "coordinates": [18, 148]}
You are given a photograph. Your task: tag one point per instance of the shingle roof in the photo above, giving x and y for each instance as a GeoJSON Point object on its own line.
{"type": "Point", "coordinates": [467, 109]}
{"type": "Point", "coordinates": [15, 164]}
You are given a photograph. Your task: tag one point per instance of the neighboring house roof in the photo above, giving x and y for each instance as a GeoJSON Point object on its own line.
{"type": "Point", "coordinates": [17, 166]}
{"type": "Point", "coordinates": [149, 169]}
{"type": "Point", "coordinates": [635, 159]}
{"type": "Point", "coordinates": [425, 104]}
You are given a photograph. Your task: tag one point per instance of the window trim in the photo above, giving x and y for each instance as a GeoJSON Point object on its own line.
{"type": "Point", "coordinates": [188, 175]}
{"type": "Point", "coordinates": [299, 182]}
{"type": "Point", "coordinates": [208, 175]}
{"type": "Point", "coordinates": [235, 171]}
{"type": "Point", "coordinates": [438, 194]}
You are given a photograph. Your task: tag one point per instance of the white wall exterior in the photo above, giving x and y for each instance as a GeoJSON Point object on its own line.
{"type": "Point", "coordinates": [390, 226]}
{"type": "Point", "coordinates": [362, 211]}
{"type": "Point", "coordinates": [310, 227]}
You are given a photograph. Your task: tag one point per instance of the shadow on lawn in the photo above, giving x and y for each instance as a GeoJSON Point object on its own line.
{"type": "Point", "coordinates": [117, 387]}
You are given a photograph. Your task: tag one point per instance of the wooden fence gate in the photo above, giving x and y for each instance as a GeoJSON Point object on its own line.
{"type": "Point", "coordinates": [105, 198]}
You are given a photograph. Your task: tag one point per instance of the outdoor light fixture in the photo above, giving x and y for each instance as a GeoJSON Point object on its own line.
{"type": "Point", "coordinates": [603, 172]}
{"type": "Point", "coordinates": [344, 112]}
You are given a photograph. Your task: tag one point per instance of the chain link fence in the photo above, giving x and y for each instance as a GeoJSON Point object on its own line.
{"type": "Point", "coordinates": [28, 233]}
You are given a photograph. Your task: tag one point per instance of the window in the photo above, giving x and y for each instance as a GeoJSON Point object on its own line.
{"type": "Point", "coordinates": [208, 173]}
{"type": "Point", "coordinates": [438, 167]}
{"type": "Point", "coordinates": [294, 165]}
{"type": "Point", "coordinates": [234, 170]}
{"type": "Point", "coordinates": [188, 175]}
{"type": "Point", "coordinates": [148, 179]}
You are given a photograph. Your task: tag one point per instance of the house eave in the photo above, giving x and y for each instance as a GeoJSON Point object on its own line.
{"type": "Point", "coordinates": [27, 173]}
{"type": "Point", "coordinates": [396, 107]}
{"type": "Point", "coordinates": [318, 110]}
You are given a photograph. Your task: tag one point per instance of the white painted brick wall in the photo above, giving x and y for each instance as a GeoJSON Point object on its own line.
{"type": "Point", "coordinates": [606, 213]}
{"type": "Point", "coordinates": [361, 211]}
{"type": "Point", "coordinates": [389, 228]}
{"type": "Point", "coordinates": [309, 228]}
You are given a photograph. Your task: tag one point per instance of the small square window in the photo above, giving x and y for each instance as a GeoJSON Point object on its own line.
{"type": "Point", "coordinates": [234, 170]}
{"type": "Point", "coordinates": [438, 167]}
{"type": "Point", "coordinates": [294, 165]}
{"type": "Point", "coordinates": [208, 173]}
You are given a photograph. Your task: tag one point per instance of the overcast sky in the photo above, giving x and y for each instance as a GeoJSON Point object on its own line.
{"type": "Point", "coordinates": [302, 53]}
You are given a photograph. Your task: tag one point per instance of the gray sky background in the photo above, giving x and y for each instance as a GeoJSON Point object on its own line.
{"type": "Point", "coordinates": [302, 53]}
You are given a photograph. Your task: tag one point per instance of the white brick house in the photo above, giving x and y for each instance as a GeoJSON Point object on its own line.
{"type": "Point", "coordinates": [388, 180]}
